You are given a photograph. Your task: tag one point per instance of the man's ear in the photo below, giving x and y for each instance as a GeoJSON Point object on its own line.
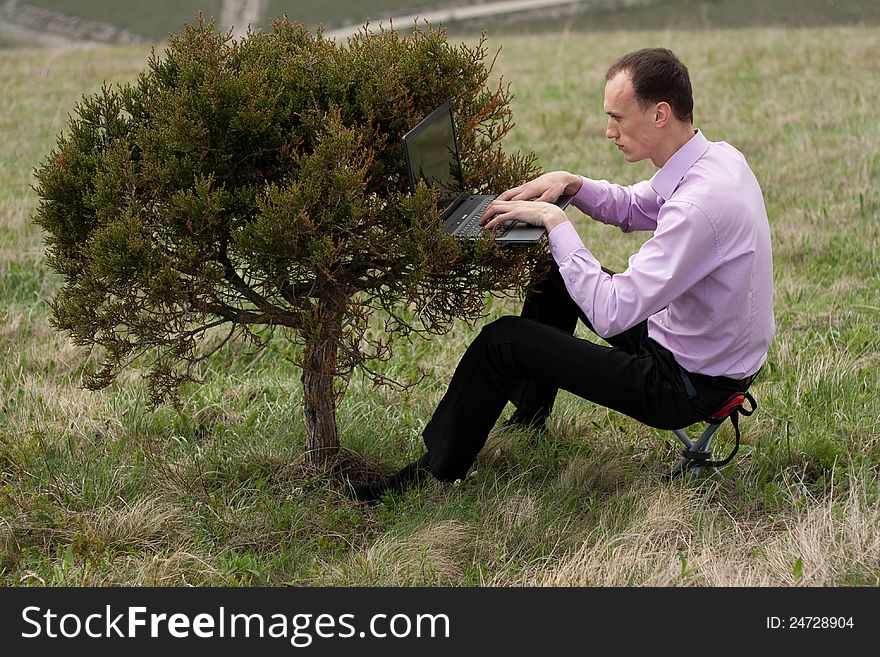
{"type": "Point", "coordinates": [662, 114]}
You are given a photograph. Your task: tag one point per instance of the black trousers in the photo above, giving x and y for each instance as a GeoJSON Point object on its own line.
{"type": "Point", "coordinates": [527, 359]}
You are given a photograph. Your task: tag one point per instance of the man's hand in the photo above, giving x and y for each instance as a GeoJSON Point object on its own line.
{"type": "Point", "coordinates": [536, 213]}
{"type": "Point", "coordinates": [548, 187]}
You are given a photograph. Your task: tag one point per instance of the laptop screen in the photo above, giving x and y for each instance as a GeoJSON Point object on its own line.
{"type": "Point", "coordinates": [432, 155]}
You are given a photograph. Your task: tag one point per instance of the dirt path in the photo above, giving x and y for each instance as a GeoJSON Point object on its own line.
{"type": "Point", "coordinates": [457, 14]}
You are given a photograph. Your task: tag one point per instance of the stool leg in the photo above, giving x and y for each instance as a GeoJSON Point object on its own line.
{"type": "Point", "coordinates": [683, 461]}
{"type": "Point", "coordinates": [683, 437]}
{"type": "Point", "coordinates": [701, 444]}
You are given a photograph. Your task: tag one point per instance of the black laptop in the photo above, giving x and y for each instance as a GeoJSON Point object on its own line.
{"type": "Point", "coordinates": [432, 155]}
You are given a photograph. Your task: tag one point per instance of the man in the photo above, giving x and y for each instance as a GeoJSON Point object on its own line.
{"type": "Point", "coordinates": [689, 321]}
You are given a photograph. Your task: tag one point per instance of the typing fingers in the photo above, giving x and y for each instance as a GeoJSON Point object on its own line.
{"type": "Point", "coordinates": [497, 220]}
{"type": "Point", "coordinates": [495, 212]}
{"type": "Point", "coordinates": [510, 194]}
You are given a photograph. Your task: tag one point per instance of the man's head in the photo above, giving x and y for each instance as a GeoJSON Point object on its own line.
{"type": "Point", "coordinates": [650, 105]}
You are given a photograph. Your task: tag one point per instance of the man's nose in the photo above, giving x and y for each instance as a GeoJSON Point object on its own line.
{"type": "Point", "coordinates": [611, 130]}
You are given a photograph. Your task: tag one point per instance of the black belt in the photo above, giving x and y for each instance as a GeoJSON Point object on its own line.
{"type": "Point", "coordinates": [738, 385]}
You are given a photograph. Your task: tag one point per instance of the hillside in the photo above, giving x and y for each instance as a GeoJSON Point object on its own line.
{"type": "Point", "coordinates": [22, 23]}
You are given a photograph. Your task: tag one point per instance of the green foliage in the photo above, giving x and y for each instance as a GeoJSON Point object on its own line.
{"type": "Point", "coordinates": [260, 184]}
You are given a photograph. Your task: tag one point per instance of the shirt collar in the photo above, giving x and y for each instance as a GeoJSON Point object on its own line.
{"type": "Point", "coordinates": [670, 174]}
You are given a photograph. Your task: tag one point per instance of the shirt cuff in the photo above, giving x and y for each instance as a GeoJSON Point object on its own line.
{"type": "Point", "coordinates": [585, 199]}
{"type": "Point", "coordinates": [564, 240]}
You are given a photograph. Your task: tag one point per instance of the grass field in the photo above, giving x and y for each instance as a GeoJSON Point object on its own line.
{"type": "Point", "coordinates": [706, 15]}
{"type": "Point", "coordinates": [95, 489]}
{"type": "Point", "coordinates": [157, 19]}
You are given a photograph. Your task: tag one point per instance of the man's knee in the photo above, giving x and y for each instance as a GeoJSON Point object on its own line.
{"type": "Point", "coordinates": [501, 330]}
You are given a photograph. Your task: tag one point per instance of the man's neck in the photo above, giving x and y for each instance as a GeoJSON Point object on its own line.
{"type": "Point", "coordinates": [680, 135]}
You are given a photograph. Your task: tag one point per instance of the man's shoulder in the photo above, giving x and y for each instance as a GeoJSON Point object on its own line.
{"type": "Point", "coordinates": [721, 175]}
{"type": "Point", "coordinates": [725, 150]}
{"type": "Point", "coordinates": [721, 188]}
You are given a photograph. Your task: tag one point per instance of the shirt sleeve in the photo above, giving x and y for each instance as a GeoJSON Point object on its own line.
{"type": "Point", "coordinates": [629, 207]}
{"type": "Point", "coordinates": [682, 251]}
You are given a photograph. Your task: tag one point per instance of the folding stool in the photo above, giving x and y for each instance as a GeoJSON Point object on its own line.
{"type": "Point", "coordinates": [697, 453]}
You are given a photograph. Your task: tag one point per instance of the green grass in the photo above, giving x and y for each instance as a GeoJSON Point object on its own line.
{"type": "Point", "coordinates": [95, 488]}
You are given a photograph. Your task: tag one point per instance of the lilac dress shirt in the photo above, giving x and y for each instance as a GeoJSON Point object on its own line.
{"type": "Point", "coordinates": [704, 280]}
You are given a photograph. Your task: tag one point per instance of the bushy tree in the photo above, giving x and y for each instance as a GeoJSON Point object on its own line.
{"type": "Point", "coordinates": [259, 185]}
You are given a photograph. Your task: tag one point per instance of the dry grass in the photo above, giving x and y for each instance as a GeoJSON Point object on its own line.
{"type": "Point", "coordinates": [821, 543]}
{"type": "Point", "coordinates": [178, 568]}
{"type": "Point", "coordinates": [433, 556]}
{"type": "Point", "coordinates": [142, 543]}
{"type": "Point", "coordinates": [147, 525]}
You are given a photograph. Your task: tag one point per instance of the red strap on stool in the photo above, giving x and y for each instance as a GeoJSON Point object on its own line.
{"type": "Point", "coordinates": [732, 409]}
{"type": "Point", "coordinates": [729, 406]}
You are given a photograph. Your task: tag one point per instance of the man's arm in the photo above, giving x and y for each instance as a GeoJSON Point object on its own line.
{"type": "Point", "coordinates": [681, 252]}
{"type": "Point", "coordinates": [632, 207]}
{"type": "Point", "coordinates": [547, 187]}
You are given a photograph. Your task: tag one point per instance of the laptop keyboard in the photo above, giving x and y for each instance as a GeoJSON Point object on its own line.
{"type": "Point", "coordinates": [471, 226]}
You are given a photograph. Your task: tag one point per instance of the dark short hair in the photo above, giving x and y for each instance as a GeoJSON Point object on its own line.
{"type": "Point", "coordinates": [657, 75]}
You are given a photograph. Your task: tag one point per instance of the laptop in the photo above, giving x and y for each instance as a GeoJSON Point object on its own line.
{"type": "Point", "coordinates": [432, 155]}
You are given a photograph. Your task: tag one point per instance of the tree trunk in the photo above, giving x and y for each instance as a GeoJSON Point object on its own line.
{"type": "Point", "coordinates": [319, 400]}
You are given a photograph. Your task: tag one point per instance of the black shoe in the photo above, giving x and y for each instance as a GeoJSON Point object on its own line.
{"type": "Point", "coordinates": [407, 477]}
